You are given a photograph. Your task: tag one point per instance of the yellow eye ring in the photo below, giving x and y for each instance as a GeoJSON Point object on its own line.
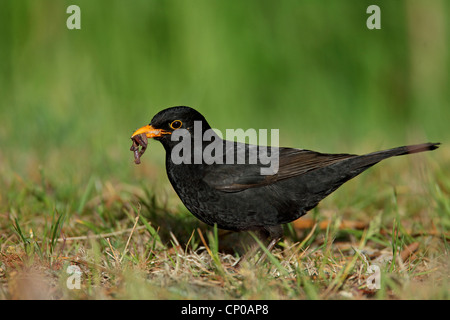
{"type": "Point", "coordinates": [176, 124]}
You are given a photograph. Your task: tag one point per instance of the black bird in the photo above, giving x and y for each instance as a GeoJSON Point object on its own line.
{"type": "Point", "coordinates": [237, 196]}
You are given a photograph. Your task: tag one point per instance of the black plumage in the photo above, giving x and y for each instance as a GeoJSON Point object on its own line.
{"type": "Point", "coordinates": [237, 196]}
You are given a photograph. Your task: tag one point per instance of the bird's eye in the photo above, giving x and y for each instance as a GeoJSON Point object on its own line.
{"type": "Point", "coordinates": [176, 124]}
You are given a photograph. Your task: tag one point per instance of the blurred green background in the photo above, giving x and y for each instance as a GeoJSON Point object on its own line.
{"type": "Point", "coordinates": [70, 99]}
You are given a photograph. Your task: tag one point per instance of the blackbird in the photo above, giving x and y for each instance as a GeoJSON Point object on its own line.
{"type": "Point", "coordinates": [237, 196]}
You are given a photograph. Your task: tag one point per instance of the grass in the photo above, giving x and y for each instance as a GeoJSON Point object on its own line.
{"type": "Point", "coordinates": [130, 244]}
{"type": "Point", "coordinates": [70, 194]}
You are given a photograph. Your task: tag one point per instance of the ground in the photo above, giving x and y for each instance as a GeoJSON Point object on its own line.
{"type": "Point", "coordinates": [383, 235]}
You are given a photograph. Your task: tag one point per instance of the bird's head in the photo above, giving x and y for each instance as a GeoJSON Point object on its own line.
{"type": "Point", "coordinates": [165, 122]}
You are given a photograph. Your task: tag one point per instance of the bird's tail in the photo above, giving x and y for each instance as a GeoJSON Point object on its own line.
{"type": "Point", "coordinates": [375, 157]}
{"type": "Point", "coordinates": [329, 178]}
{"type": "Point", "coordinates": [399, 151]}
{"type": "Point", "coordinates": [423, 147]}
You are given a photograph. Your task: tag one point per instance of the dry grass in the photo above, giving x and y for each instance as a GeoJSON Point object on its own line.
{"type": "Point", "coordinates": [129, 244]}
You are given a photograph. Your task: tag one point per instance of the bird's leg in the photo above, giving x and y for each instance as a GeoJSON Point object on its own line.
{"type": "Point", "coordinates": [249, 253]}
{"type": "Point", "coordinates": [272, 244]}
{"type": "Point", "coordinates": [274, 232]}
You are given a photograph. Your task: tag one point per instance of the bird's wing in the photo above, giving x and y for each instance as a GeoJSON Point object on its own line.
{"type": "Point", "coordinates": [292, 163]}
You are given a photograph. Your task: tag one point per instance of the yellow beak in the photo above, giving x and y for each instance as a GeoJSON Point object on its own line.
{"type": "Point", "coordinates": [150, 132]}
